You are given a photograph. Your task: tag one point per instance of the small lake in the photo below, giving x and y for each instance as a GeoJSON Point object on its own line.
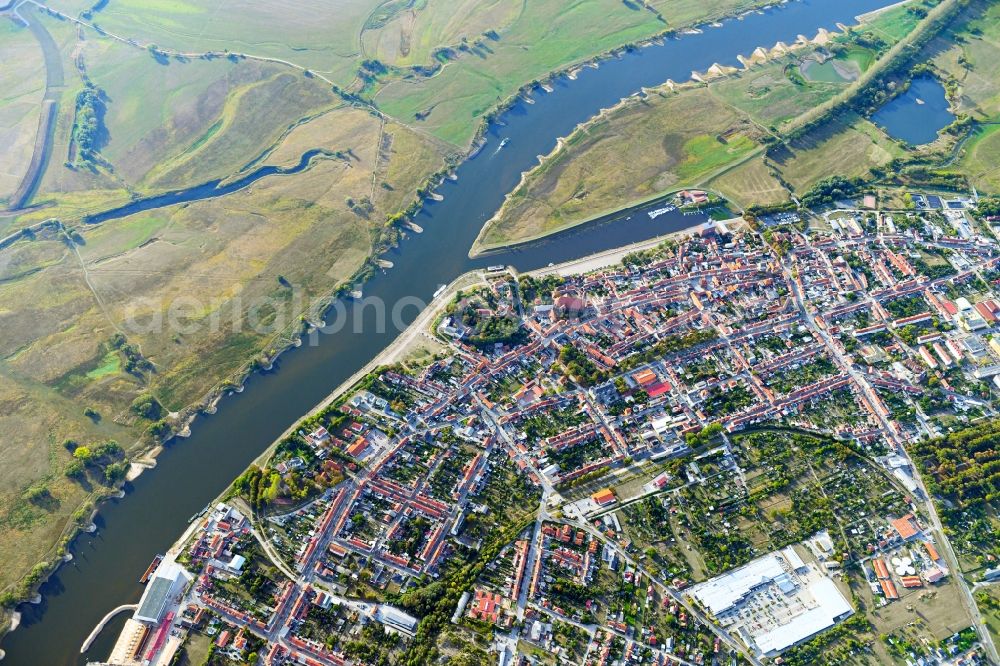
{"type": "Point", "coordinates": [917, 115]}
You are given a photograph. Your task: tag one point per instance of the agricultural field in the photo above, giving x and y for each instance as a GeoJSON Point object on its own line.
{"type": "Point", "coordinates": [405, 33]}
{"type": "Point", "coordinates": [545, 37]}
{"type": "Point", "coordinates": [969, 57]}
{"type": "Point", "coordinates": [688, 12]}
{"type": "Point", "coordinates": [448, 62]}
{"type": "Point", "coordinates": [20, 103]}
{"type": "Point", "coordinates": [981, 161]}
{"type": "Point", "coordinates": [776, 92]}
{"type": "Point", "coordinates": [749, 183]}
{"type": "Point", "coordinates": [318, 35]}
{"type": "Point", "coordinates": [848, 146]}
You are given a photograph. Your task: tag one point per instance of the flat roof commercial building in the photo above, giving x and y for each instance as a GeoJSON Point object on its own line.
{"type": "Point", "coordinates": [774, 602]}
{"type": "Point", "coordinates": [168, 583]}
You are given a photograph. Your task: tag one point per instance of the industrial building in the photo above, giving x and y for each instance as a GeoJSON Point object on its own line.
{"type": "Point", "coordinates": [774, 602]}
{"type": "Point", "coordinates": [165, 586]}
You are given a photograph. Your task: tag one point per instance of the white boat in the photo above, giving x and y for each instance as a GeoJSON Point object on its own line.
{"type": "Point", "coordinates": [653, 214]}
{"type": "Point", "coordinates": [440, 290]}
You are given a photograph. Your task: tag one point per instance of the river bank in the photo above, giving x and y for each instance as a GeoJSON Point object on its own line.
{"type": "Point", "coordinates": [190, 472]}
{"type": "Point", "coordinates": [423, 324]}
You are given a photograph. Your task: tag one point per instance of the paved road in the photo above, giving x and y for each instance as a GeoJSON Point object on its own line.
{"type": "Point", "coordinates": [943, 542]}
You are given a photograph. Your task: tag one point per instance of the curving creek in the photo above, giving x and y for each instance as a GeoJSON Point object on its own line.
{"type": "Point", "coordinates": [106, 565]}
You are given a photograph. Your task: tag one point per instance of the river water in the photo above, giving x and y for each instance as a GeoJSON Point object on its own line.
{"type": "Point", "coordinates": [190, 473]}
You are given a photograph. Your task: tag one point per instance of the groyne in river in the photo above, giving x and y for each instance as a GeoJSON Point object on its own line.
{"type": "Point", "coordinates": [107, 564]}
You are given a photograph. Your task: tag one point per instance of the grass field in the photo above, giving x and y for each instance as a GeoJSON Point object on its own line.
{"type": "Point", "coordinates": [409, 36]}
{"type": "Point", "coordinates": [319, 35]}
{"type": "Point", "coordinates": [847, 146]}
{"type": "Point", "coordinates": [527, 41]}
{"type": "Point", "coordinates": [895, 23]}
{"type": "Point", "coordinates": [861, 57]}
{"type": "Point", "coordinates": [981, 160]}
{"type": "Point", "coordinates": [214, 258]}
{"type": "Point", "coordinates": [770, 96]}
{"type": "Point", "coordinates": [750, 183]}
{"type": "Point", "coordinates": [688, 12]}
{"type": "Point", "coordinates": [640, 150]}
{"type": "Point", "coordinates": [973, 59]}
{"type": "Point", "coordinates": [542, 38]}
{"type": "Point", "coordinates": [21, 90]}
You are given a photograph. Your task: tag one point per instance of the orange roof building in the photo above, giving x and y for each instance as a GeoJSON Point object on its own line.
{"type": "Point", "coordinates": [644, 377]}
{"type": "Point", "coordinates": [604, 497]}
{"type": "Point", "coordinates": [359, 445]}
{"type": "Point", "coordinates": [906, 527]}
{"type": "Point", "coordinates": [486, 606]}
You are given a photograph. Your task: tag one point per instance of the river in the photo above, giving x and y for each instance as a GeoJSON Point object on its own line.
{"type": "Point", "coordinates": [190, 473]}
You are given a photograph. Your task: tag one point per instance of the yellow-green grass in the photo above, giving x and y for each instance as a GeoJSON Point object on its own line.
{"type": "Point", "coordinates": [981, 160]}
{"type": "Point", "coordinates": [22, 85]}
{"type": "Point", "coordinates": [895, 23]}
{"type": "Point", "coordinates": [847, 145]}
{"type": "Point", "coordinates": [156, 110]}
{"type": "Point", "coordinates": [860, 56]}
{"type": "Point", "coordinates": [253, 118]}
{"type": "Point", "coordinates": [973, 59]}
{"type": "Point", "coordinates": [543, 38]}
{"type": "Point", "coordinates": [831, 71]}
{"type": "Point", "coordinates": [79, 187]}
{"type": "Point", "coordinates": [633, 153]}
{"type": "Point", "coordinates": [181, 123]}
{"type": "Point", "coordinates": [68, 206]}
{"type": "Point", "coordinates": [410, 36]}
{"type": "Point", "coordinates": [688, 12]}
{"type": "Point", "coordinates": [988, 600]}
{"type": "Point", "coordinates": [323, 36]}
{"type": "Point", "coordinates": [223, 256]}
{"type": "Point", "coordinates": [770, 96]}
{"type": "Point", "coordinates": [535, 38]}
{"type": "Point", "coordinates": [748, 184]}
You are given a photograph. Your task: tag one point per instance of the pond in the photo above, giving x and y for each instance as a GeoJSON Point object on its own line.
{"type": "Point", "coordinates": [917, 115]}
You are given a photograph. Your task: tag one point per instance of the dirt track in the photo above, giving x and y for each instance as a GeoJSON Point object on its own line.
{"type": "Point", "coordinates": [54, 81]}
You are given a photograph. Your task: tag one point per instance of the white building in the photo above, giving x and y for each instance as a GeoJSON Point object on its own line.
{"type": "Point", "coordinates": [774, 602]}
